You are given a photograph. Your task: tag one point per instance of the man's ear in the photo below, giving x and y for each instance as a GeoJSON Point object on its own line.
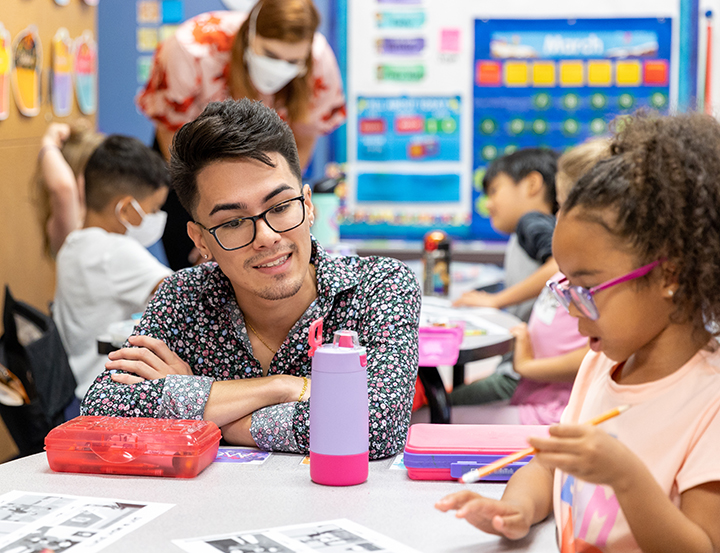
{"type": "Point", "coordinates": [309, 207]}
{"type": "Point", "coordinates": [198, 237]}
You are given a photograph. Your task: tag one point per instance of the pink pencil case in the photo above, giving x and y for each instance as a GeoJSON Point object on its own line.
{"type": "Point", "coordinates": [447, 451]}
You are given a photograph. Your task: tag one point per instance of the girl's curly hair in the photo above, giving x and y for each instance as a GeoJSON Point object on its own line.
{"type": "Point", "coordinates": [662, 182]}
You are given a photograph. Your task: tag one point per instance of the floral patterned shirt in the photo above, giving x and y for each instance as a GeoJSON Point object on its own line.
{"type": "Point", "coordinates": [190, 70]}
{"type": "Point", "coordinates": [196, 314]}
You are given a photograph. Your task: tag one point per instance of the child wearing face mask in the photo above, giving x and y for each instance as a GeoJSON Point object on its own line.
{"type": "Point", "coordinates": [104, 271]}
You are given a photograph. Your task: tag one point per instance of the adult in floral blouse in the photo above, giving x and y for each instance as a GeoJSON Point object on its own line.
{"type": "Point", "coordinates": [273, 54]}
{"type": "Point", "coordinates": [228, 340]}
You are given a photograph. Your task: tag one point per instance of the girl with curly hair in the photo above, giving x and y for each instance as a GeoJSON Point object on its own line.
{"type": "Point", "coordinates": [639, 241]}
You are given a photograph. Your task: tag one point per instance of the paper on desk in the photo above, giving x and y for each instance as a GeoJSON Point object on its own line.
{"type": "Point", "coordinates": [243, 455]}
{"type": "Point", "coordinates": [434, 310]}
{"type": "Point", "coordinates": [31, 521]}
{"type": "Point", "coordinates": [332, 536]}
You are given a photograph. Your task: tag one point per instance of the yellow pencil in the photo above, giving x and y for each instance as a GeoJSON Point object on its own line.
{"type": "Point", "coordinates": [477, 474]}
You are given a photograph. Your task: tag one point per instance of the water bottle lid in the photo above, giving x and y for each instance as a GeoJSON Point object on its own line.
{"type": "Point", "coordinates": [346, 339]}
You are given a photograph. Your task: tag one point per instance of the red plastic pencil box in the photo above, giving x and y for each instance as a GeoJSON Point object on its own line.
{"type": "Point", "coordinates": [447, 451]}
{"type": "Point", "coordinates": [137, 446]}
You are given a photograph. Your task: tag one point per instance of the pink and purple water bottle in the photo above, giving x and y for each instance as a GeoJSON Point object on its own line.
{"type": "Point", "coordinates": [339, 428]}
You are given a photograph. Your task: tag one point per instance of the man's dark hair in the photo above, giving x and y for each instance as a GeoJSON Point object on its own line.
{"type": "Point", "coordinates": [123, 165]}
{"type": "Point", "coordinates": [229, 130]}
{"type": "Point", "coordinates": [521, 163]}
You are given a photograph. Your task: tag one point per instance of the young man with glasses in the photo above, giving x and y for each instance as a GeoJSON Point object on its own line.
{"type": "Point", "coordinates": [228, 341]}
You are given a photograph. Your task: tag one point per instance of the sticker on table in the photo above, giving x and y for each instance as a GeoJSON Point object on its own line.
{"type": "Point", "coordinates": [241, 455]}
{"type": "Point", "coordinates": [61, 87]}
{"type": "Point", "coordinates": [27, 69]}
{"type": "Point", "coordinates": [85, 72]}
{"type": "Point", "coordinates": [5, 43]}
{"type": "Point", "coordinates": [305, 460]}
{"type": "Point", "coordinates": [399, 462]}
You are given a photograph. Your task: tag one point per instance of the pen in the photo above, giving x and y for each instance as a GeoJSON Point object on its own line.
{"type": "Point", "coordinates": [476, 474]}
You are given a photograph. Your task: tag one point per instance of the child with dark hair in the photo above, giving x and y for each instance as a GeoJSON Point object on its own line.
{"type": "Point", "coordinates": [548, 349]}
{"type": "Point", "coordinates": [104, 271]}
{"type": "Point", "coordinates": [521, 199]}
{"type": "Point", "coordinates": [520, 188]}
{"type": "Point", "coordinates": [639, 244]}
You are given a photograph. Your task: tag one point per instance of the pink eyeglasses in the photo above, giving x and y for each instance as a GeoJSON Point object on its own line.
{"type": "Point", "coordinates": [582, 298]}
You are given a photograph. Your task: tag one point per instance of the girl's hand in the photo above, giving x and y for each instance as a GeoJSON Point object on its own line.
{"type": "Point", "coordinates": [586, 452]}
{"type": "Point", "coordinates": [150, 359]}
{"type": "Point", "coordinates": [476, 299]}
{"type": "Point", "coordinates": [523, 347]}
{"type": "Point", "coordinates": [489, 515]}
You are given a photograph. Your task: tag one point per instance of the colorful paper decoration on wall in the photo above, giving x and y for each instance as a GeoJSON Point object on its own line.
{"type": "Point", "coordinates": [27, 70]}
{"type": "Point", "coordinates": [85, 72]}
{"type": "Point", "coordinates": [5, 42]}
{"type": "Point", "coordinates": [148, 11]}
{"type": "Point", "coordinates": [61, 86]}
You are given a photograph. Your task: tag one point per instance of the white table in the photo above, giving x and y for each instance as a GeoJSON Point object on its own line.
{"type": "Point", "coordinates": [229, 497]}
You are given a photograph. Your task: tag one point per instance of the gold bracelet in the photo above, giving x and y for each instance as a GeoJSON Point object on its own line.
{"type": "Point", "coordinates": [304, 388]}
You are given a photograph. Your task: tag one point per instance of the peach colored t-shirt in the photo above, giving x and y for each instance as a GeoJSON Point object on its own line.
{"type": "Point", "coordinates": [673, 425]}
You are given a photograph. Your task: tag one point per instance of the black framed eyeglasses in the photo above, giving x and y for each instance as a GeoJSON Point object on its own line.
{"type": "Point", "coordinates": [241, 232]}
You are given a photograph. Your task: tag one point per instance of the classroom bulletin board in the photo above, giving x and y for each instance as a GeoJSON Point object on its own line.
{"type": "Point", "coordinates": [24, 266]}
{"type": "Point", "coordinates": [437, 90]}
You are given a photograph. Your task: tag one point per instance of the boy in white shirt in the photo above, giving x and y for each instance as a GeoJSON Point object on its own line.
{"type": "Point", "coordinates": [104, 271]}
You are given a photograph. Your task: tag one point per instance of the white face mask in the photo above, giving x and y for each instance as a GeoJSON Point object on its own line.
{"type": "Point", "coordinates": [150, 229]}
{"type": "Point", "coordinates": [268, 75]}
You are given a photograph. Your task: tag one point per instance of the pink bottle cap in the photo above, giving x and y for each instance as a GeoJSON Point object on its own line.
{"type": "Point", "coordinates": [346, 339]}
